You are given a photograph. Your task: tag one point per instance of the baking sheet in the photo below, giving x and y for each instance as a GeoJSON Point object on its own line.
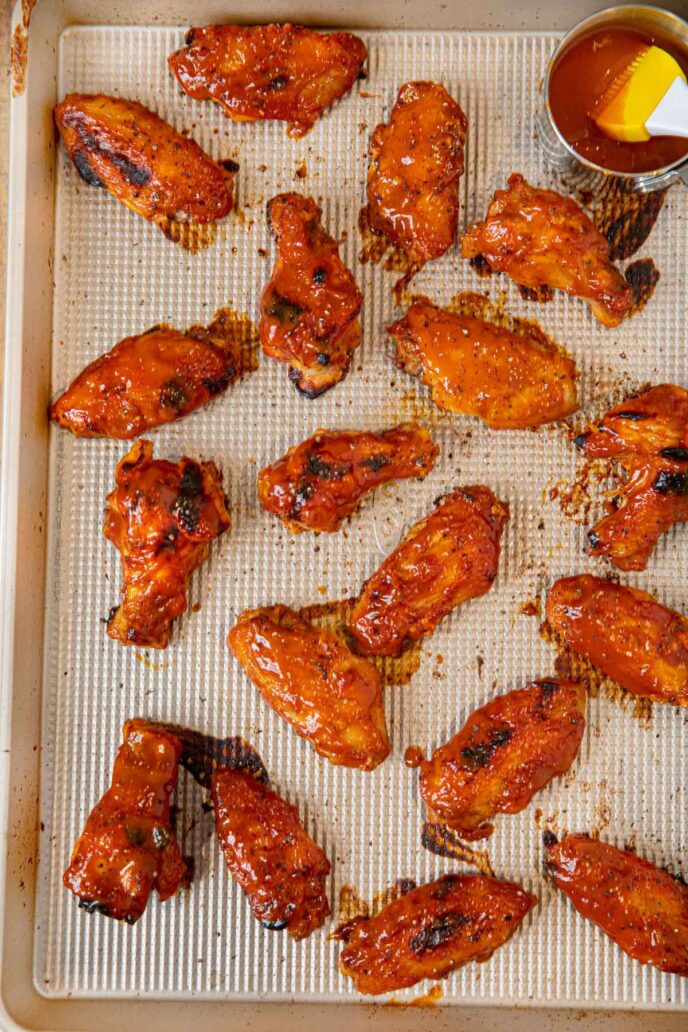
{"type": "Point", "coordinates": [115, 275]}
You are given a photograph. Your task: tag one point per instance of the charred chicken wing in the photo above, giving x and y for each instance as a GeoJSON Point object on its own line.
{"type": "Point", "coordinates": [284, 72]}
{"type": "Point", "coordinates": [128, 847]}
{"type": "Point", "coordinates": [506, 752]}
{"type": "Point", "coordinates": [639, 906]}
{"type": "Point", "coordinates": [309, 308]}
{"type": "Point", "coordinates": [321, 481]}
{"type": "Point", "coordinates": [270, 854]}
{"type": "Point", "coordinates": [648, 437]}
{"type": "Point", "coordinates": [624, 632]}
{"type": "Point", "coordinates": [143, 162]}
{"type": "Point", "coordinates": [314, 682]}
{"type": "Point", "coordinates": [507, 379]}
{"type": "Point", "coordinates": [542, 240]}
{"type": "Point", "coordinates": [448, 557]}
{"type": "Point", "coordinates": [161, 517]}
{"type": "Point", "coordinates": [415, 163]}
{"type": "Point", "coordinates": [431, 931]}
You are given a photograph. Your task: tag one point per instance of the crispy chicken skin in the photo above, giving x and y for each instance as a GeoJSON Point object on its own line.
{"type": "Point", "coordinates": [313, 681]}
{"type": "Point", "coordinates": [270, 854]}
{"type": "Point", "coordinates": [648, 436]}
{"type": "Point", "coordinates": [541, 239]}
{"type": "Point", "coordinates": [309, 308]}
{"type": "Point", "coordinates": [432, 930]}
{"type": "Point", "coordinates": [506, 752]}
{"type": "Point", "coordinates": [321, 481]}
{"type": "Point", "coordinates": [161, 517]}
{"type": "Point", "coordinates": [128, 846]}
{"type": "Point", "coordinates": [507, 379]}
{"type": "Point", "coordinates": [145, 163]}
{"type": "Point", "coordinates": [639, 906]}
{"type": "Point", "coordinates": [624, 632]}
{"type": "Point", "coordinates": [445, 559]}
{"type": "Point", "coordinates": [415, 162]}
{"type": "Point", "coordinates": [143, 382]}
{"type": "Point", "coordinates": [284, 72]}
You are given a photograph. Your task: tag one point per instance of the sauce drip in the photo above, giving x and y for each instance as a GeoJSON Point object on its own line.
{"type": "Point", "coordinates": [413, 757]}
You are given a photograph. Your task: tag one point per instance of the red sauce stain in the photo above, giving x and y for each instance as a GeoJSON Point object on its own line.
{"type": "Point", "coordinates": [413, 757]}
{"type": "Point", "coordinates": [429, 999]}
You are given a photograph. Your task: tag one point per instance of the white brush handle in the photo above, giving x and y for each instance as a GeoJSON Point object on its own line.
{"type": "Point", "coordinates": [670, 117]}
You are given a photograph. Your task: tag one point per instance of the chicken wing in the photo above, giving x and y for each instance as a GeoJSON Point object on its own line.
{"type": "Point", "coordinates": [314, 682]}
{"type": "Point", "coordinates": [639, 906]}
{"type": "Point", "coordinates": [284, 72]}
{"type": "Point", "coordinates": [309, 308]}
{"type": "Point", "coordinates": [648, 437]}
{"type": "Point", "coordinates": [624, 632]}
{"type": "Point", "coordinates": [128, 846]}
{"type": "Point", "coordinates": [269, 854]}
{"type": "Point", "coordinates": [507, 379]}
{"type": "Point", "coordinates": [432, 930]}
{"type": "Point", "coordinates": [161, 517]}
{"type": "Point", "coordinates": [445, 559]}
{"type": "Point", "coordinates": [542, 240]}
{"type": "Point", "coordinates": [416, 160]}
{"type": "Point", "coordinates": [321, 481]}
{"type": "Point", "coordinates": [145, 163]}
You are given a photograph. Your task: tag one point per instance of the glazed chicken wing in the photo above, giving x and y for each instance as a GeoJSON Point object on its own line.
{"type": "Point", "coordinates": [639, 906]}
{"type": "Point", "coordinates": [285, 72]}
{"type": "Point", "coordinates": [321, 481]}
{"type": "Point", "coordinates": [161, 517]}
{"type": "Point", "coordinates": [313, 681]}
{"type": "Point", "coordinates": [309, 308]}
{"type": "Point", "coordinates": [624, 632]}
{"type": "Point", "coordinates": [507, 379]}
{"type": "Point", "coordinates": [447, 558]}
{"type": "Point", "coordinates": [270, 854]}
{"type": "Point", "coordinates": [415, 163]}
{"type": "Point", "coordinates": [431, 931]}
{"type": "Point", "coordinates": [145, 163]}
{"type": "Point", "coordinates": [128, 846]}
{"type": "Point", "coordinates": [506, 752]}
{"type": "Point", "coordinates": [542, 240]}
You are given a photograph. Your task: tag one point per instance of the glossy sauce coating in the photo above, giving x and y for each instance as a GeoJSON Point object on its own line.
{"type": "Point", "coordinates": [626, 633]}
{"type": "Point", "coordinates": [270, 854]}
{"type": "Point", "coordinates": [506, 751]}
{"type": "Point", "coordinates": [313, 681]}
{"type": "Point", "coordinates": [321, 481]}
{"type": "Point", "coordinates": [639, 906]}
{"type": "Point", "coordinates": [508, 380]}
{"type": "Point", "coordinates": [432, 930]}
{"type": "Point", "coordinates": [309, 308]}
{"type": "Point", "coordinates": [143, 162]}
{"type": "Point", "coordinates": [541, 239]}
{"type": "Point", "coordinates": [446, 558]}
{"type": "Point", "coordinates": [128, 846]}
{"type": "Point", "coordinates": [285, 72]}
{"type": "Point", "coordinates": [161, 517]}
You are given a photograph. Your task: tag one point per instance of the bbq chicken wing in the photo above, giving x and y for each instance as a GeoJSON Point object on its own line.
{"type": "Point", "coordinates": [161, 517]}
{"type": "Point", "coordinates": [321, 481]}
{"type": "Point", "coordinates": [506, 752]}
{"type": "Point", "coordinates": [309, 308]}
{"type": "Point", "coordinates": [313, 681]}
{"type": "Point", "coordinates": [145, 163]}
{"type": "Point", "coordinates": [507, 379]}
{"type": "Point", "coordinates": [624, 632]}
{"type": "Point", "coordinates": [416, 160]}
{"type": "Point", "coordinates": [542, 240]}
{"type": "Point", "coordinates": [639, 906]}
{"type": "Point", "coordinates": [284, 72]}
{"type": "Point", "coordinates": [445, 559]}
{"type": "Point", "coordinates": [648, 437]}
{"type": "Point", "coordinates": [128, 846]}
{"type": "Point", "coordinates": [431, 931]}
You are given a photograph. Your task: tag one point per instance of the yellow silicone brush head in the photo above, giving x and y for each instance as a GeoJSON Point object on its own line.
{"type": "Point", "coordinates": [625, 106]}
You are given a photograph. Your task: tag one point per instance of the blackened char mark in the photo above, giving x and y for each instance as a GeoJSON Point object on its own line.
{"type": "Point", "coordinates": [203, 754]}
{"type": "Point", "coordinates": [135, 174]}
{"type": "Point", "coordinates": [481, 754]}
{"type": "Point", "coordinates": [435, 935]}
{"type": "Point", "coordinates": [376, 462]}
{"type": "Point", "coordinates": [186, 507]}
{"type": "Point", "coordinates": [481, 265]}
{"type": "Point", "coordinates": [173, 395]}
{"type": "Point", "coordinates": [321, 470]}
{"type": "Point", "coordinates": [83, 167]}
{"type": "Point", "coordinates": [677, 454]}
{"type": "Point", "coordinates": [217, 384]}
{"type": "Point", "coordinates": [631, 416]}
{"type": "Point", "coordinates": [669, 482]}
